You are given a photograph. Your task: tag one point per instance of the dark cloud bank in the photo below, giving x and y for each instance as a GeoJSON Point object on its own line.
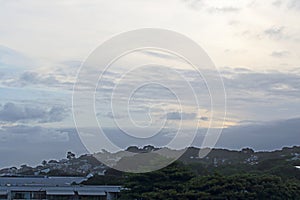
{"type": "Point", "coordinates": [34, 144]}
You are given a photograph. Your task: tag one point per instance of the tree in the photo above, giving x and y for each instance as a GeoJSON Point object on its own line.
{"type": "Point", "coordinates": [177, 182]}
{"type": "Point", "coordinates": [245, 186]}
{"type": "Point", "coordinates": [167, 183]}
{"type": "Point", "coordinates": [70, 155]}
{"type": "Point", "coordinates": [44, 162]}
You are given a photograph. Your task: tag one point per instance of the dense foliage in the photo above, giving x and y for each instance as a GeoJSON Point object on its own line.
{"type": "Point", "coordinates": [223, 174]}
{"type": "Point", "coordinates": [193, 182]}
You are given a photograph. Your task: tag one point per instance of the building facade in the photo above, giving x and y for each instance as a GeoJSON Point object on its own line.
{"type": "Point", "coordinates": [54, 188]}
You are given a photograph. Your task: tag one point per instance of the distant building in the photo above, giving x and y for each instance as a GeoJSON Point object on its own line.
{"type": "Point", "coordinates": [54, 188]}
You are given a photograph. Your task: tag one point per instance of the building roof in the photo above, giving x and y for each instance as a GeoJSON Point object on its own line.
{"type": "Point", "coordinates": [66, 190]}
{"type": "Point", "coordinates": [46, 181]}
{"type": "Point", "coordinates": [91, 193]}
{"type": "Point", "coordinates": [54, 186]}
{"type": "Point", "coordinates": [3, 192]}
{"type": "Point", "coordinates": [60, 192]}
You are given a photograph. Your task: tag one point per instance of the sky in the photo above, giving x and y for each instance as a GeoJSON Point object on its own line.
{"type": "Point", "coordinates": [254, 44]}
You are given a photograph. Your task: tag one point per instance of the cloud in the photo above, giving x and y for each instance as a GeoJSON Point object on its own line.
{"type": "Point", "coordinates": [277, 3]}
{"type": "Point", "coordinates": [19, 140]}
{"type": "Point", "coordinates": [276, 32]}
{"type": "Point", "coordinates": [31, 144]}
{"type": "Point", "coordinates": [114, 115]}
{"type": "Point", "coordinates": [294, 4]}
{"type": "Point", "coordinates": [265, 82]}
{"type": "Point", "coordinates": [160, 54]}
{"type": "Point", "coordinates": [35, 78]}
{"type": "Point", "coordinates": [224, 10]}
{"type": "Point", "coordinates": [194, 4]}
{"type": "Point", "coordinates": [262, 95]}
{"type": "Point", "coordinates": [280, 54]}
{"type": "Point", "coordinates": [181, 116]}
{"type": "Point", "coordinates": [248, 91]}
{"type": "Point", "coordinates": [32, 78]}
{"type": "Point", "coordinates": [204, 118]}
{"type": "Point", "coordinates": [32, 134]}
{"type": "Point", "coordinates": [38, 80]}
{"type": "Point", "coordinates": [11, 112]}
{"type": "Point", "coordinates": [263, 136]}
{"type": "Point", "coordinates": [12, 58]}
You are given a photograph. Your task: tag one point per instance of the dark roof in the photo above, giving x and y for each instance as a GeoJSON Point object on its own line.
{"type": "Point", "coordinates": [70, 190]}
{"type": "Point", "coordinates": [44, 181]}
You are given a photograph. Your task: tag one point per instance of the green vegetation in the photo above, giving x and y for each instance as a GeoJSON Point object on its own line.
{"type": "Point", "coordinates": [223, 175]}
{"type": "Point", "coordinates": [179, 181]}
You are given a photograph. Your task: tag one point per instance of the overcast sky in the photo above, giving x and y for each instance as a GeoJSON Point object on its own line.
{"type": "Point", "coordinates": [254, 44]}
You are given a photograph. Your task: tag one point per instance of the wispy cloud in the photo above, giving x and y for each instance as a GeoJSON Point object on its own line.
{"type": "Point", "coordinates": [10, 58]}
{"type": "Point", "coordinates": [10, 112]}
{"type": "Point", "coordinates": [181, 116]}
{"type": "Point", "coordinates": [294, 4]}
{"type": "Point", "coordinates": [277, 3]}
{"type": "Point", "coordinates": [276, 32]}
{"type": "Point", "coordinates": [223, 9]}
{"type": "Point", "coordinates": [280, 54]}
{"type": "Point", "coordinates": [32, 134]}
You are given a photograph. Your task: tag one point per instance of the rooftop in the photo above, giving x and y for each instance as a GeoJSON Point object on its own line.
{"type": "Point", "coordinates": [40, 181]}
